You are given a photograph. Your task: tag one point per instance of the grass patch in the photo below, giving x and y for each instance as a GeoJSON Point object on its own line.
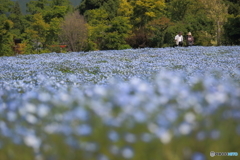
{"type": "Point", "coordinates": [178, 67]}
{"type": "Point", "coordinates": [65, 70]}
{"type": "Point", "coordinates": [103, 61]}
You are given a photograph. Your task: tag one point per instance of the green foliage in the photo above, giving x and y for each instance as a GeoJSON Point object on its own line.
{"type": "Point", "coordinates": [56, 12]}
{"type": "Point", "coordinates": [146, 10]}
{"type": "Point", "coordinates": [177, 9]}
{"type": "Point", "coordinates": [118, 24]}
{"type": "Point", "coordinates": [232, 30]}
{"type": "Point", "coordinates": [46, 17]}
{"type": "Point", "coordinates": [49, 9]}
{"type": "Point", "coordinates": [6, 25]}
{"type": "Point", "coordinates": [195, 17]}
{"type": "Point", "coordinates": [6, 38]}
{"type": "Point", "coordinates": [125, 8]}
{"type": "Point", "coordinates": [203, 38]}
{"type": "Point", "coordinates": [111, 6]}
{"type": "Point", "coordinates": [117, 33]}
{"type": "Point", "coordinates": [38, 6]}
{"type": "Point", "coordinates": [60, 2]}
{"type": "Point", "coordinates": [53, 31]}
{"type": "Point", "coordinates": [97, 16]}
{"type": "Point", "coordinates": [143, 13]}
{"type": "Point", "coordinates": [106, 33]}
{"type": "Point", "coordinates": [18, 19]}
{"type": "Point", "coordinates": [5, 6]}
{"type": "Point", "coordinates": [90, 46]}
{"type": "Point", "coordinates": [234, 7]}
{"type": "Point", "coordinates": [90, 5]}
{"type": "Point", "coordinates": [39, 29]}
{"type": "Point", "coordinates": [158, 29]}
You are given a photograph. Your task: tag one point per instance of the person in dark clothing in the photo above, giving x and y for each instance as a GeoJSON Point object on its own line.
{"type": "Point", "coordinates": [189, 39]}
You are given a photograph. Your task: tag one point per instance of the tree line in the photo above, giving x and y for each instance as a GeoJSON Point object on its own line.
{"type": "Point", "coordinates": [57, 26]}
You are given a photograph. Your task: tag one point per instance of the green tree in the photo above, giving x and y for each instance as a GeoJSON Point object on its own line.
{"type": "Point", "coordinates": [232, 30]}
{"type": "Point", "coordinates": [38, 6]}
{"type": "Point", "coordinates": [145, 11]}
{"type": "Point", "coordinates": [157, 31]}
{"type": "Point", "coordinates": [61, 3]}
{"type": "Point", "coordinates": [117, 33]}
{"type": "Point", "coordinates": [38, 31]}
{"type": "Point", "coordinates": [5, 6]}
{"type": "Point", "coordinates": [6, 37]}
{"type": "Point", "coordinates": [97, 24]}
{"type": "Point", "coordinates": [60, 8]}
{"type": "Point", "coordinates": [86, 5]}
{"type": "Point", "coordinates": [17, 18]}
{"type": "Point", "coordinates": [189, 16]}
{"type": "Point", "coordinates": [107, 33]}
{"type": "Point", "coordinates": [53, 31]}
{"type": "Point", "coordinates": [49, 14]}
{"type": "Point", "coordinates": [217, 11]}
{"type": "Point", "coordinates": [125, 9]}
{"type": "Point", "coordinates": [141, 13]}
{"type": "Point", "coordinates": [233, 7]}
{"type": "Point", "coordinates": [49, 9]}
{"type": "Point", "coordinates": [56, 12]}
{"type": "Point", "coordinates": [177, 9]}
{"type": "Point", "coordinates": [111, 6]}
{"type": "Point", "coordinates": [156, 22]}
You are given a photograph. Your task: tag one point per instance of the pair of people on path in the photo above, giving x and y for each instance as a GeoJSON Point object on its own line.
{"type": "Point", "coordinates": [179, 39]}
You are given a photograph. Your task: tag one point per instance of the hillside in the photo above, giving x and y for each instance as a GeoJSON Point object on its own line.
{"type": "Point", "coordinates": [24, 2]}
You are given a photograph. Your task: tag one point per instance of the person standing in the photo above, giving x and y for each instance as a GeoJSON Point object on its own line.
{"type": "Point", "coordinates": [189, 39]}
{"type": "Point", "coordinates": [179, 39]}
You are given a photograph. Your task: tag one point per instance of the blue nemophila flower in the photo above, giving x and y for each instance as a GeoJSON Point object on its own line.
{"type": "Point", "coordinates": [11, 116]}
{"type": "Point", "coordinates": [83, 130]}
{"type": "Point", "coordinates": [127, 152]}
{"type": "Point", "coordinates": [131, 138]}
{"type": "Point", "coordinates": [215, 134]}
{"type": "Point", "coordinates": [146, 137]}
{"type": "Point", "coordinates": [107, 103]}
{"type": "Point", "coordinates": [114, 150]}
{"type": "Point", "coordinates": [113, 136]}
{"type": "Point", "coordinates": [201, 135]}
{"type": "Point", "coordinates": [102, 157]}
{"type": "Point", "coordinates": [43, 110]}
{"type": "Point", "coordinates": [198, 156]}
{"type": "Point", "coordinates": [32, 140]}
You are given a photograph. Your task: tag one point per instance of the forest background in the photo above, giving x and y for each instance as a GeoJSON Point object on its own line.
{"type": "Point", "coordinates": [64, 25]}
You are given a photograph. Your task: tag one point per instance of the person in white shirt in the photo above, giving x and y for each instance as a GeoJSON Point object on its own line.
{"type": "Point", "coordinates": [179, 39]}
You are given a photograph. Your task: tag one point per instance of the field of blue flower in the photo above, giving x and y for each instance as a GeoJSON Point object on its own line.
{"type": "Point", "coordinates": [136, 104]}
